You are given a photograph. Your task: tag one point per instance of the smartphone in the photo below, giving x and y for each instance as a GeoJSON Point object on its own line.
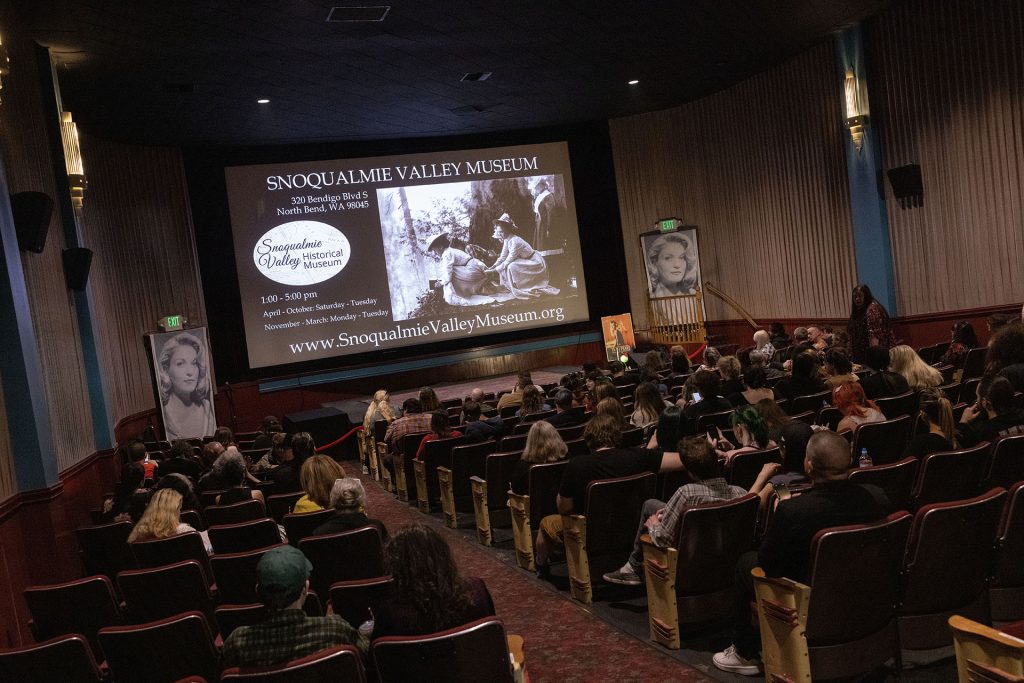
{"type": "Point", "coordinates": [697, 397]}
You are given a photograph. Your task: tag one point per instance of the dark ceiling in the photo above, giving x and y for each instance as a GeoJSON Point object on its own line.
{"type": "Point", "coordinates": [190, 72]}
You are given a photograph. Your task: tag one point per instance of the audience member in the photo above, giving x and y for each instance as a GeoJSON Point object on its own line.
{"type": "Point", "coordinates": [775, 417]}
{"type": "Point", "coordinates": [707, 398]}
{"type": "Point", "coordinates": [116, 508]}
{"type": "Point", "coordinates": [316, 476]}
{"type": "Point", "coordinates": [380, 408]}
{"type": "Point", "coordinates": [413, 420]}
{"type": "Point", "coordinates": [729, 368]}
{"type": "Point", "coordinates": [757, 388]}
{"type": "Point", "coordinates": [941, 435]}
{"type": "Point", "coordinates": [613, 408]}
{"type": "Point", "coordinates": [439, 429]}
{"type": "Point", "coordinates": [543, 444]}
{"type": "Point", "coordinates": [181, 460]}
{"type": "Point", "coordinates": [286, 633]}
{"type": "Point", "coordinates": [224, 436]}
{"type": "Point", "coordinates": [429, 595]}
{"type": "Point", "coordinates": [515, 397]}
{"type": "Point", "coordinates": [661, 520]}
{"type": "Point", "coordinates": [214, 479]}
{"type": "Point", "coordinates": [565, 415]}
{"type": "Point", "coordinates": [763, 345]}
{"type": "Point", "coordinates": [268, 427]}
{"type": "Point", "coordinates": [670, 429]}
{"type": "Point", "coordinates": [751, 432]}
{"type": "Point", "coordinates": [817, 339]}
{"type": "Point", "coordinates": [962, 340]}
{"type": "Point", "coordinates": [1005, 355]}
{"type": "Point", "coordinates": [709, 359]}
{"type": "Point", "coordinates": [855, 407]}
{"type": "Point", "coordinates": [919, 375]}
{"type": "Point", "coordinates": [209, 454]}
{"type": "Point", "coordinates": [679, 361]}
{"type": "Point", "coordinates": [162, 519]}
{"type": "Point", "coordinates": [804, 379]}
{"type": "Point", "coordinates": [286, 475]}
{"type": "Point", "coordinates": [993, 416]}
{"type": "Point", "coordinates": [882, 382]}
{"type": "Point", "coordinates": [793, 445]}
{"type": "Point", "coordinates": [759, 360]}
{"type": "Point", "coordinates": [838, 368]}
{"type": "Point", "coordinates": [348, 499]}
{"type": "Point", "coordinates": [303, 447]}
{"type": "Point", "coordinates": [429, 401]}
{"type": "Point", "coordinates": [533, 402]}
{"type": "Point", "coordinates": [477, 429]}
{"type": "Point", "coordinates": [229, 471]}
{"type": "Point", "coordinates": [869, 324]}
{"type": "Point", "coordinates": [832, 501]}
{"type": "Point", "coordinates": [647, 405]}
{"type": "Point", "coordinates": [135, 451]}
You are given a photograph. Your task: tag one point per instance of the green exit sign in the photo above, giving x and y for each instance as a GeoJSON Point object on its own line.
{"type": "Point", "coordinates": [669, 224]}
{"type": "Point", "coordinates": [171, 323]}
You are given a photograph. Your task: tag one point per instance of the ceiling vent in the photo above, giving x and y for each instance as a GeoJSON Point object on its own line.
{"type": "Point", "coordinates": [477, 76]}
{"type": "Point", "coordinates": [349, 14]}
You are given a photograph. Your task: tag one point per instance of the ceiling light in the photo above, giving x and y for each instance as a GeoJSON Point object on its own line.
{"type": "Point", "coordinates": [263, 101]}
{"type": "Point", "coordinates": [633, 82]}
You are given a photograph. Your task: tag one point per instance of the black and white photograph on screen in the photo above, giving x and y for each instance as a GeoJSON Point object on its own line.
{"type": "Point", "coordinates": [181, 362]}
{"type": "Point", "coordinates": [478, 244]}
{"type": "Point", "coordinates": [673, 262]}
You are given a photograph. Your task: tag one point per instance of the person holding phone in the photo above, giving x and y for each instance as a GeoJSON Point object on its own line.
{"type": "Point", "coordinates": [706, 392]}
{"type": "Point", "coordinates": [751, 432]}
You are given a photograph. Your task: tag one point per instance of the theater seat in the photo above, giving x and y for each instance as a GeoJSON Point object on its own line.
{"type": "Point", "coordinates": [744, 467]}
{"type": "Point", "coordinates": [527, 510]}
{"type": "Point", "coordinates": [885, 441]}
{"type": "Point", "coordinates": [355, 554]}
{"type": "Point", "coordinates": [355, 601]}
{"type": "Point", "coordinates": [160, 592]}
{"type": "Point", "coordinates": [903, 404]}
{"type": "Point", "coordinates": [245, 511]}
{"type": "Point", "coordinates": [896, 479]}
{"type": "Point", "coordinates": [165, 551]}
{"type": "Point", "coordinates": [162, 651]}
{"type": "Point", "coordinates": [299, 526]}
{"type": "Point", "coordinates": [456, 493]}
{"type": "Point", "coordinates": [959, 538]}
{"type": "Point", "coordinates": [244, 536]}
{"type": "Point", "coordinates": [83, 606]}
{"type": "Point", "coordinates": [477, 651]}
{"type": "Point", "coordinates": [341, 663]}
{"type": "Point", "coordinates": [104, 548]}
{"type": "Point", "coordinates": [490, 495]}
{"type": "Point", "coordinates": [230, 617]}
{"type": "Point", "coordinates": [599, 539]}
{"type": "Point", "coordinates": [66, 659]}
{"type": "Point", "coordinates": [437, 453]}
{"type": "Point", "coordinates": [235, 574]}
{"type": "Point", "coordinates": [1007, 462]}
{"type": "Point", "coordinates": [281, 504]}
{"type": "Point", "coordinates": [843, 624]}
{"type": "Point", "coordinates": [1007, 588]}
{"type": "Point", "coordinates": [951, 475]}
{"type": "Point", "coordinates": [692, 581]}
{"type": "Point", "coordinates": [984, 654]}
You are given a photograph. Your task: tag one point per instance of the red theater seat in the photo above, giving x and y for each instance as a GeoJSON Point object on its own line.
{"type": "Point", "coordinates": [66, 659]}
{"type": "Point", "coordinates": [162, 651]}
{"type": "Point", "coordinates": [1008, 583]}
{"type": "Point", "coordinates": [355, 554]}
{"type": "Point", "coordinates": [339, 664]}
{"type": "Point", "coordinates": [245, 511]}
{"type": "Point", "coordinates": [244, 536]}
{"type": "Point", "coordinates": [477, 651]}
{"type": "Point", "coordinates": [83, 606]}
{"type": "Point", "coordinates": [161, 592]}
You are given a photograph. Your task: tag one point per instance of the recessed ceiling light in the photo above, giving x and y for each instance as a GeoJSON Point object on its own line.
{"type": "Point", "coordinates": [263, 101]}
{"type": "Point", "coordinates": [633, 82]}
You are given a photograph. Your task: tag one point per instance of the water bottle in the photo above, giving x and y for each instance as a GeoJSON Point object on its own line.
{"type": "Point", "coordinates": [865, 459]}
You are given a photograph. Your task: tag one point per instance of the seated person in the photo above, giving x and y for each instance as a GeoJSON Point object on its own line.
{"type": "Point", "coordinates": [647, 405]}
{"type": "Point", "coordinates": [317, 475]}
{"type": "Point", "coordinates": [181, 460]}
{"type": "Point", "coordinates": [543, 444]}
{"type": "Point", "coordinates": [937, 411]}
{"type": "Point", "coordinates": [478, 430]}
{"type": "Point", "coordinates": [116, 508]}
{"type": "Point", "coordinates": [993, 416]}
{"type": "Point", "coordinates": [224, 436]}
{"type": "Point", "coordinates": [706, 398]}
{"type": "Point", "coordinates": [763, 345]}
{"type": "Point", "coordinates": [608, 460]}
{"type": "Point", "coordinates": [268, 427]}
{"type": "Point", "coordinates": [793, 439]}
{"type": "Point", "coordinates": [231, 469]}
{"type": "Point", "coordinates": [709, 359]}
{"type": "Point", "coordinates": [439, 429]}
{"type": "Point", "coordinates": [849, 398]}
{"type": "Point", "coordinates": [429, 595]}
{"type": "Point", "coordinates": [962, 341]}
{"type": "Point", "coordinates": [286, 475]}
{"type": "Point", "coordinates": [661, 520]}
{"type": "Point", "coordinates": [515, 397]}
{"type": "Point", "coordinates": [679, 361]}
{"type": "Point", "coordinates": [286, 633]}
{"type": "Point", "coordinates": [348, 499]}
{"type": "Point", "coordinates": [919, 375]}
{"type": "Point", "coordinates": [533, 402]}
{"type": "Point", "coordinates": [135, 451]}
{"type": "Point", "coordinates": [838, 368]}
{"type": "Point", "coordinates": [730, 369]}
{"type": "Point", "coordinates": [564, 415]}
{"type": "Point", "coordinates": [804, 379]}
{"type": "Point", "coordinates": [751, 432]}
{"type": "Point", "coordinates": [758, 360]}
{"type": "Point", "coordinates": [162, 519]}
{"type": "Point", "coordinates": [882, 382]}
{"type": "Point", "coordinates": [757, 389]}
{"type": "Point", "coordinates": [429, 402]}
{"type": "Point", "coordinates": [413, 420]}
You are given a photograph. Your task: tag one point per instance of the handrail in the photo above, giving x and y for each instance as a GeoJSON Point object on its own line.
{"type": "Point", "coordinates": [732, 302]}
{"type": "Point", "coordinates": [357, 428]}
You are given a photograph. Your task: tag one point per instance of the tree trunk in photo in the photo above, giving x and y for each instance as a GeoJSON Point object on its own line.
{"type": "Point", "coordinates": [408, 277]}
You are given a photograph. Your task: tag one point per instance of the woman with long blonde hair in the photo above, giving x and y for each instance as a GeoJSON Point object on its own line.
{"type": "Point", "coordinates": [543, 444]}
{"type": "Point", "coordinates": [316, 477]}
{"type": "Point", "coordinates": [904, 360]}
{"type": "Point", "coordinates": [162, 519]}
{"type": "Point", "coordinates": [380, 408]}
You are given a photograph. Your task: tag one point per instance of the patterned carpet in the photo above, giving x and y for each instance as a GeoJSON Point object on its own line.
{"type": "Point", "coordinates": [563, 640]}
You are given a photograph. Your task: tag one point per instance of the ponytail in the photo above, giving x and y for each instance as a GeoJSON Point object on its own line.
{"type": "Point", "coordinates": [939, 411]}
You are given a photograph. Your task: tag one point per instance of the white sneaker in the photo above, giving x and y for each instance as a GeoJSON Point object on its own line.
{"type": "Point", "coordinates": [729, 660]}
{"type": "Point", "coordinates": [625, 576]}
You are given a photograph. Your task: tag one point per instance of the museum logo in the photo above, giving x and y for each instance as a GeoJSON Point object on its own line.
{"type": "Point", "coordinates": [301, 253]}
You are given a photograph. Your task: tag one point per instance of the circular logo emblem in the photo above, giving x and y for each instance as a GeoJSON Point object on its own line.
{"type": "Point", "coordinates": [301, 253]}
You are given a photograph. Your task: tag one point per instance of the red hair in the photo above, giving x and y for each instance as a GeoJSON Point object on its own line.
{"type": "Point", "coordinates": [850, 399]}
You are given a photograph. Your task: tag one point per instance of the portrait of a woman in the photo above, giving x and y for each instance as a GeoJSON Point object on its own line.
{"type": "Point", "coordinates": [522, 270]}
{"type": "Point", "coordinates": [464, 276]}
{"type": "Point", "coordinates": [672, 265]}
{"type": "Point", "coordinates": [184, 383]}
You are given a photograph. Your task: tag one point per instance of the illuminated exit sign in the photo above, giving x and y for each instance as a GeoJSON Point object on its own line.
{"type": "Point", "coordinates": [669, 224]}
{"type": "Point", "coordinates": [171, 323]}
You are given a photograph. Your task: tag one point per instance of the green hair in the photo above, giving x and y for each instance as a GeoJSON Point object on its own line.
{"type": "Point", "coordinates": [751, 419]}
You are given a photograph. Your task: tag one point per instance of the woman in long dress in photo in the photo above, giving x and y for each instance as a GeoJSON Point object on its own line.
{"type": "Point", "coordinates": [185, 388]}
{"type": "Point", "coordinates": [464, 276]}
{"type": "Point", "coordinates": [522, 270]}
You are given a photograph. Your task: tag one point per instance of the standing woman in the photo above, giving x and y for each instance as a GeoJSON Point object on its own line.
{"type": "Point", "coordinates": [523, 271]}
{"type": "Point", "coordinates": [869, 324]}
{"type": "Point", "coordinates": [185, 388]}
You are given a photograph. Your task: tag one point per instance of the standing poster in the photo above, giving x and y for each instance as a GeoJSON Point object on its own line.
{"type": "Point", "coordinates": [184, 381]}
{"type": "Point", "coordinates": [673, 262]}
{"type": "Point", "coordinates": [617, 331]}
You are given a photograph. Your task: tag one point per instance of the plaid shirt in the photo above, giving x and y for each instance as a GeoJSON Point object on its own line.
{"type": "Point", "coordinates": [708, 491]}
{"type": "Point", "coordinates": [410, 424]}
{"type": "Point", "coordinates": [288, 635]}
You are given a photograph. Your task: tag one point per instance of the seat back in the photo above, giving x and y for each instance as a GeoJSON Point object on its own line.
{"type": "Point", "coordinates": [544, 482]}
{"type": "Point", "coordinates": [974, 364]}
{"type": "Point", "coordinates": [477, 651]}
{"type": "Point", "coordinates": [245, 511]}
{"type": "Point", "coordinates": [355, 554]}
{"type": "Point", "coordinates": [498, 472]}
{"type": "Point", "coordinates": [885, 441]}
{"type": "Point", "coordinates": [577, 447]}
{"type": "Point", "coordinates": [164, 551]}
{"type": "Point", "coordinates": [408, 445]}
{"type": "Point", "coordinates": [161, 651]}
{"type": "Point", "coordinates": [985, 655]}
{"type": "Point", "coordinates": [104, 548]}
{"type": "Point", "coordinates": [380, 428]}
{"type": "Point", "coordinates": [807, 417]}
{"type": "Point", "coordinates": [356, 601]}
{"type": "Point", "coordinates": [830, 417]}
{"type": "Point", "coordinates": [160, 592]}
{"type": "Point", "coordinates": [537, 416]}
{"type": "Point", "coordinates": [1007, 462]}
{"type": "Point", "coordinates": [67, 659]}
{"type": "Point", "coordinates": [708, 421]}
{"type": "Point", "coordinates": [338, 663]}
{"type": "Point", "coordinates": [960, 538]}
{"type": "Point", "coordinates": [896, 479]}
{"type": "Point", "coordinates": [230, 616]}
{"type": "Point", "coordinates": [632, 438]}
{"type": "Point", "coordinates": [951, 475]}
{"type": "Point", "coordinates": [83, 606]}
{"type": "Point", "coordinates": [235, 575]}
{"type": "Point", "coordinates": [438, 453]}
{"type": "Point", "coordinates": [208, 498]}
{"type": "Point", "coordinates": [570, 433]}
{"type": "Point", "coordinates": [744, 467]}
{"type": "Point", "coordinates": [812, 402]}
{"type": "Point", "coordinates": [903, 404]}
{"type": "Point", "coordinates": [238, 538]}
{"type": "Point", "coordinates": [710, 540]}
{"type": "Point", "coordinates": [968, 390]}
{"type": "Point", "coordinates": [513, 442]}
{"type": "Point", "coordinates": [299, 526]}
{"type": "Point", "coordinates": [612, 509]}
{"type": "Point", "coordinates": [1009, 569]}
{"type": "Point", "coordinates": [282, 504]}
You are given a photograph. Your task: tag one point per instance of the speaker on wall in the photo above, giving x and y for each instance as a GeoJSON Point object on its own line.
{"type": "Point", "coordinates": [76, 267]}
{"type": "Point", "coordinates": [31, 211]}
{"type": "Point", "coordinates": [907, 185]}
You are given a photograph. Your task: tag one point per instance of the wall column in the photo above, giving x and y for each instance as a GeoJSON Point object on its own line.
{"type": "Point", "coordinates": [871, 245]}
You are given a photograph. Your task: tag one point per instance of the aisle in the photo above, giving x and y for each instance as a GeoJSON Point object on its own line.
{"type": "Point", "coordinates": [564, 642]}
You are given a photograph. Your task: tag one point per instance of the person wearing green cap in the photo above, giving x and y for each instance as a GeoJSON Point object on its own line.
{"type": "Point", "coordinates": [287, 633]}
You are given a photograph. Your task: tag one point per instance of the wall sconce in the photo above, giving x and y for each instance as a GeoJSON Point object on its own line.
{"type": "Point", "coordinates": [73, 159]}
{"type": "Point", "coordinates": [5, 66]}
{"type": "Point", "coordinates": [856, 109]}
